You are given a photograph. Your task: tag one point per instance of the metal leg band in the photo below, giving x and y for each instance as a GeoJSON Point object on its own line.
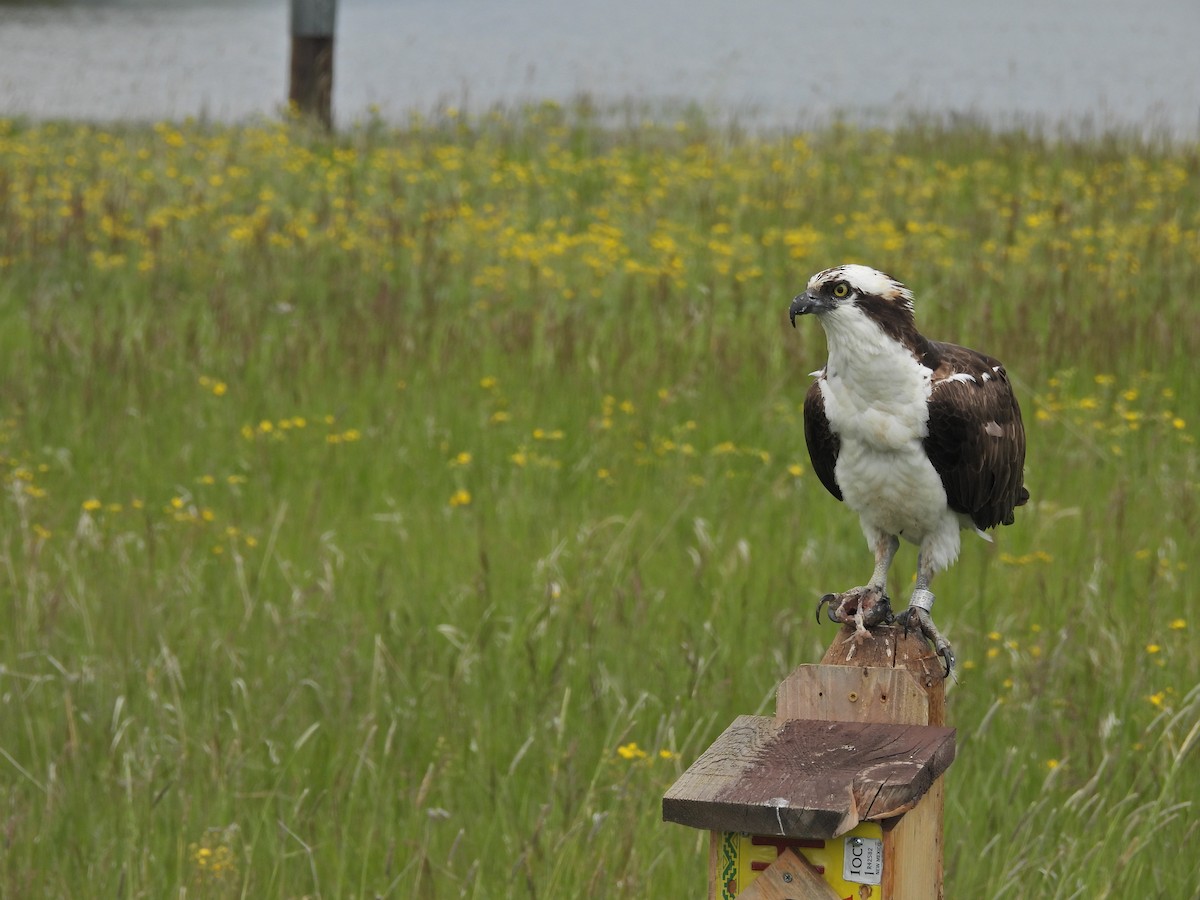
{"type": "Point", "coordinates": [922, 599]}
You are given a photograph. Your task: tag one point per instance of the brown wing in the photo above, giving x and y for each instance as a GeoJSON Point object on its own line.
{"type": "Point", "coordinates": [976, 439]}
{"type": "Point", "coordinates": [823, 444]}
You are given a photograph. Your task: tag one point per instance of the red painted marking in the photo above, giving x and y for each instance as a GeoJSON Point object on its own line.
{"type": "Point", "coordinates": [783, 843]}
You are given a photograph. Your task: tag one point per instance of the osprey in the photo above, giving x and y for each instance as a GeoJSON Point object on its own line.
{"type": "Point", "coordinates": [920, 438]}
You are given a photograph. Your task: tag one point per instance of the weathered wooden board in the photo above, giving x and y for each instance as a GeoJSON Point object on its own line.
{"type": "Point", "coordinates": [891, 647]}
{"type": "Point", "coordinates": [807, 778]}
{"type": "Point", "coordinates": [913, 849]}
{"type": "Point", "coordinates": [852, 694]}
{"type": "Point", "coordinates": [789, 878]}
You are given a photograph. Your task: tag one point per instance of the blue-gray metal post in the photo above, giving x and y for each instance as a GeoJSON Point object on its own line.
{"type": "Point", "coordinates": [311, 84]}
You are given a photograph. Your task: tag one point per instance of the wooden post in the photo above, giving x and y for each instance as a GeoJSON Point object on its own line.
{"type": "Point", "coordinates": [850, 764]}
{"type": "Point", "coordinates": [913, 843]}
{"type": "Point", "coordinates": [311, 83]}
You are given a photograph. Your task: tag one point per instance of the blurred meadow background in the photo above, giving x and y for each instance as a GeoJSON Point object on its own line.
{"type": "Point", "coordinates": [397, 513]}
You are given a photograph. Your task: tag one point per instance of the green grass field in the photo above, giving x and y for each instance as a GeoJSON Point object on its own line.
{"type": "Point", "coordinates": [398, 515]}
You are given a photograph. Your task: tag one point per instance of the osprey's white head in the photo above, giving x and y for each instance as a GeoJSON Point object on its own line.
{"type": "Point", "coordinates": [859, 306]}
{"type": "Point", "coordinates": [851, 285]}
{"type": "Point", "coordinates": [880, 296]}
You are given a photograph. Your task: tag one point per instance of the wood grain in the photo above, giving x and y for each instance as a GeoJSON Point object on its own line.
{"type": "Point", "coordinates": [913, 850]}
{"type": "Point", "coordinates": [807, 778]}
{"type": "Point", "coordinates": [852, 694]}
{"type": "Point", "coordinates": [891, 647]}
{"type": "Point", "coordinates": [790, 877]}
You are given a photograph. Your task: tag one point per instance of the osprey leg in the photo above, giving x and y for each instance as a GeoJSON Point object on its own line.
{"type": "Point", "coordinates": [868, 605]}
{"type": "Point", "coordinates": [919, 615]}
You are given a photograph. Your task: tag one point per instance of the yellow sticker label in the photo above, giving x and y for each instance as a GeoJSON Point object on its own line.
{"type": "Point", "coordinates": [851, 863]}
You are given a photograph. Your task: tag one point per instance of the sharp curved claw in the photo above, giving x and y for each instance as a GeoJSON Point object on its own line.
{"type": "Point", "coordinates": [948, 658]}
{"type": "Point", "coordinates": [827, 600]}
{"type": "Point", "coordinates": [919, 620]}
{"type": "Point", "coordinates": [868, 605]}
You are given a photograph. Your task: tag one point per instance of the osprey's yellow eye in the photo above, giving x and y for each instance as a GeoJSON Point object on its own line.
{"type": "Point", "coordinates": [841, 289]}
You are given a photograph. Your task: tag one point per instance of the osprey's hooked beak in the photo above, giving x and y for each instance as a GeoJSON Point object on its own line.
{"type": "Point", "coordinates": [806, 303]}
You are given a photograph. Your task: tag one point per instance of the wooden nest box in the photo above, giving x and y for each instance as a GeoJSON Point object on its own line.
{"type": "Point", "coordinates": [838, 796]}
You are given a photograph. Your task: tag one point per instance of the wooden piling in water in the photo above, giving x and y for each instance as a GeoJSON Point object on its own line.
{"type": "Point", "coordinates": [310, 85]}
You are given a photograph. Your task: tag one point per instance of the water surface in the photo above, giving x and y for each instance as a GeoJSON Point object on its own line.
{"type": "Point", "coordinates": [1097, 63]}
